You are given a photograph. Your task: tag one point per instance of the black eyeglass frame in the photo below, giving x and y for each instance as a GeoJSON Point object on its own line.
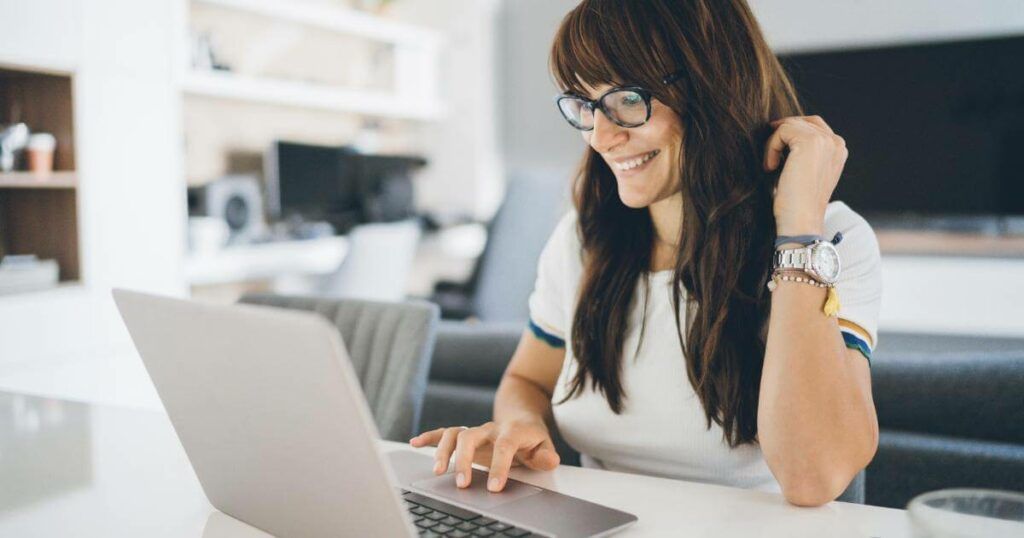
{"type": "Point", "coordinates": [598, 104]}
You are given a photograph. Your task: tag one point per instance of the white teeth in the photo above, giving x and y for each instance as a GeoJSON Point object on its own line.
{"type": "Point", "coordinates": [629, 165]}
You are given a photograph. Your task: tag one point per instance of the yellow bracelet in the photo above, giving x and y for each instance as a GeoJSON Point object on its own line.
{"type": "Point", "coordinates": [831, 306]}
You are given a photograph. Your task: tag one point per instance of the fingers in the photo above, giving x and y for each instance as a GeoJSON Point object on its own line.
{"type": "Point", "coordinates": [445, 447]}
{"type": "Point", "coordinates": [544, 457]}
{"type": "Point", "coordinates": [427, 438]}
{"type": "Point", "coordinates": [467, 441]}
{"type": "Point", "coordinates": [777, 142]}
{"type": "Point", "coordinates": [788, 129]}
{"type": "Point", "coordinates": [501, 461]}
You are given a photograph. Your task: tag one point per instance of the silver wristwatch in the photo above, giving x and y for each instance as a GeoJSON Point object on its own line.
{"type": "Point", "coordinates": [819, 260]}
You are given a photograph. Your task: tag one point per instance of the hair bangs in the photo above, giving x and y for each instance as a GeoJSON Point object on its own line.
{"type": "Point", "coordinates": [593, 47]}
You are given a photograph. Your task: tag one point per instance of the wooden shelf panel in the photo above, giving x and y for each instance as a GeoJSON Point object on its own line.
{"type": "Point", "coordinates": [29, 180]}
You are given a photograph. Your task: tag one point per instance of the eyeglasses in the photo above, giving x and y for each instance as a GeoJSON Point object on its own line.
{"type": "Point", "coordinates": [626, 106]}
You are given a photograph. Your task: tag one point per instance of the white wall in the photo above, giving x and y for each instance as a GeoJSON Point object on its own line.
{"type": "Point", "coordinates": [40, 33]}
{"type": "Point", "coordinates": [465, 174]}
{"type": "Point", "coordinates": [533, 135]}
{"type": "Point", "coordinates": [131, 193]}
{"type": "Point", "coordinates": [802, 25]}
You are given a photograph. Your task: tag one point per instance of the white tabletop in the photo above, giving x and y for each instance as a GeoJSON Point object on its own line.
{"type": "Point", "coordinates": [74, 469]}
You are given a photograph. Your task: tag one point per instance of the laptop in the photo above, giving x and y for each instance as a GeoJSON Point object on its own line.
{"type": "Point", "coordinates": [273, 419]}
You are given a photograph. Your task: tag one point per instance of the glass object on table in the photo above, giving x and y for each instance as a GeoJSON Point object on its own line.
{"type": "Point", "coordinates": [967, 513]}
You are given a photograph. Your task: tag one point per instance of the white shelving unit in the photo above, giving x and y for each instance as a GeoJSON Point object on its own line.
{"type": "Point", "coordinates": [279, 92]}
{"type": "Point", "coordinates": [416, 63]}
{"type": "Point", "coordinates": [266, 260]}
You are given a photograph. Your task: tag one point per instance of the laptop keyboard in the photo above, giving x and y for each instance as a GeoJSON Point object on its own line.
{"type": "Point", "coordinates": [436, 518]}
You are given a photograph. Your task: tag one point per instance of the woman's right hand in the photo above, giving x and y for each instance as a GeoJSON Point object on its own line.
{"type": "Point", "coordinates": [499, 446]}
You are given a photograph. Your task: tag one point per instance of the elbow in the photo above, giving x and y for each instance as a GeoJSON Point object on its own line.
{"type": "Point", "coordinates": [810, 492]}
{"type": "Point", "coordinates": [817, 486]}
{"type": "Point", "coordinates": [818, 481]}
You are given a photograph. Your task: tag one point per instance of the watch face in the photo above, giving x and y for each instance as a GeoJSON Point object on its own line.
{"type": "Point", "coordinates": [825, 261]}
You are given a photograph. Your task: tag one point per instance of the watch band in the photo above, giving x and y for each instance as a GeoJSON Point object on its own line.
{"type": "Point", "coordinates": [806, 239]}
{"type": "Point", "coordinates": [797, 258]}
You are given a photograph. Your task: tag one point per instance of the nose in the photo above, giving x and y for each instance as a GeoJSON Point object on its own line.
{"type": "Point", "coordinates": [606, 134]}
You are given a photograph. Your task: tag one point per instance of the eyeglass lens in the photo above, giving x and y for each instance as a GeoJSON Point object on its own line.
{"type": "Point", "coordinates": [627, 108]}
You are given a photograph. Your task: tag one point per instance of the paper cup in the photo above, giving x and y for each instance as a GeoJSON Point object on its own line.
{"type": "Point", "coordinates": [39, 153]}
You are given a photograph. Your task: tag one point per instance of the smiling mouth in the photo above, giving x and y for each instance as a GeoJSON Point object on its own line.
{"type": "Point", "coordinates": [636, 163]}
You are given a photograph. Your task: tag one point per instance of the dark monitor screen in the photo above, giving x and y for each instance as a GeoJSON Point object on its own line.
{"type": "Point", "coordinates": [313, 182]}
{"type": "Point", "coordinates": [932, 129]}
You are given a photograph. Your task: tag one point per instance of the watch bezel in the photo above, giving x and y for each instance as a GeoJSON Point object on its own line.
{"type": "Point", "coordinates": [817, 251]}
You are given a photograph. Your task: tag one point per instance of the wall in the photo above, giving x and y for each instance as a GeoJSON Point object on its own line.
{"type": "Point", "coordinates": [466, 174]}
{"type": "Point", "coordinates": [801, 25]}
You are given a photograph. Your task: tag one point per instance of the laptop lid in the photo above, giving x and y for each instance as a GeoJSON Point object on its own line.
{"type": "Point", "coordinates": [228, 376]}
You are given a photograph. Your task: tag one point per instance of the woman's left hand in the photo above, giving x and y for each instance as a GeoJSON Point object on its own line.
{"type": "Point", "coordinates": [810, 175]}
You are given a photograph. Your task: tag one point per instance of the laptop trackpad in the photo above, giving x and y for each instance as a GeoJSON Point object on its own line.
{"type": "Point", "coordinates": [476, 494]}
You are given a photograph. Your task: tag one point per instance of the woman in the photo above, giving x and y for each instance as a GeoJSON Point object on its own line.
{"type": "Point", "coordinates": [654, 343]}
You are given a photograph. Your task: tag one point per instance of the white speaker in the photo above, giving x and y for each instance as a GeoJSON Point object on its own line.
{"type": "Point", "coordinates": [235, 199]}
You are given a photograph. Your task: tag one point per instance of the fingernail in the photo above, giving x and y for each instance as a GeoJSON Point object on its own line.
{"type": "Point", "coordinates": [460, 480]}
{"type": "Point", "coordinates": [493, 484]}
{"type": "Point", "coordinates": [437, 467]}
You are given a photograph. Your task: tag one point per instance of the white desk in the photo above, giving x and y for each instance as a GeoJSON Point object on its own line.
{"type": "Point", "coordinates": [266, 260]}
{"type": "Point", "coordinates": [73, 469]}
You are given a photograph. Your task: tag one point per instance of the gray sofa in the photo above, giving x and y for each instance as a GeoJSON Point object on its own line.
{"type": "Point", "coordinates": [951, 409]}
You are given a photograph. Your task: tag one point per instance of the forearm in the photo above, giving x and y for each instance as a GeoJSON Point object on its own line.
{"type": "Point", "coordinates": [816, 420]}
{"type": "Point", "coordinates": [521, 399]}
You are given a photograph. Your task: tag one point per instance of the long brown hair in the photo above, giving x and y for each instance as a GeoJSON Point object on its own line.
{"type": "Point", "coordinates": [731, 87]}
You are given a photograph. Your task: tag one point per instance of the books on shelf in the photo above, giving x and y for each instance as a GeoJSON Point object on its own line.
{"type": "Point", "coordinates": [21, 273]}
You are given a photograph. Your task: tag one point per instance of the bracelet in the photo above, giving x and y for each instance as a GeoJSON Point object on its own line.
{"type": "Point", "coordinates": [831, 306]}
{"type": "Point", "coordinates": [783, 275]}
{"type": "Point", "coordinates": [806, 239]}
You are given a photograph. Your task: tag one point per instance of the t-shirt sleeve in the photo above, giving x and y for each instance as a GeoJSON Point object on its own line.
{"type": "Point", "coordinates": [549, 311]}
{"type": "Point", "coordinates": [860, 279]}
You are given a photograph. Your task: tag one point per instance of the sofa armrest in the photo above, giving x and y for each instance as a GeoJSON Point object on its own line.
{"type": "Point", "coordinates": [474, 353]}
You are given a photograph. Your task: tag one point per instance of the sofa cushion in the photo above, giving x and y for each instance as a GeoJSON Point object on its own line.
{"type": "Point", "coordinates": [944, 386]}
{"type": "Point", "coordinates": [908, 464]}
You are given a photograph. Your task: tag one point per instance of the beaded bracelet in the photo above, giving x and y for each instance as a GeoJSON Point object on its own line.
{"type": "Point", "coordinates": [780, 275]}
{"type": "Point", "coordinates": [831, 306]}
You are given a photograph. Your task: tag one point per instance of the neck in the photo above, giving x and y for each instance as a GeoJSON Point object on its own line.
{"type": "Point", "coordinates": [667, 216]}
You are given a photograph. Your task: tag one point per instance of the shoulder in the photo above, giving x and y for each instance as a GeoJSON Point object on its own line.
{"type": "Point", "coordinates": [565, 237]}
{"type": "Point", "coordinates": [859, 239]}
{"type": "Point", "coordinates": [567, 224]}
{"type": "Point", "coordinates": [839, 216]}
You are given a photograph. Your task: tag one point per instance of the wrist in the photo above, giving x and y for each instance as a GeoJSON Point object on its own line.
{"type": "Point", "coordinates": [786, 246]}
{"type": "Point", "coordinates": [799, 223]}
{"type": "Point", "coordinates": [804, 227]}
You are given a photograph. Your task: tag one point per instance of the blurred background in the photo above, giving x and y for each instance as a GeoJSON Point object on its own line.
{"type": "Point", "coordinates": [411, 149]}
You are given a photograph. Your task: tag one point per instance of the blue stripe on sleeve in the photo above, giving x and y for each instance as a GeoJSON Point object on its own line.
{"type": "Point", "coordinates": [855, 342]}
{"type": "Point", "coordinates": [547, 337]}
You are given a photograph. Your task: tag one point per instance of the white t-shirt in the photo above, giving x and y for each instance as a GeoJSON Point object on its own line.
{"type": "Point", "coordinates": [662, 429]}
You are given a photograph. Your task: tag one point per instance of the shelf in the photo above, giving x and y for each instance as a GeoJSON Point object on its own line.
{"type": "Point", "coordinates": [30, 180]}
{"type": "Point", "coordinates": [337, 19]}
{"type": "Point", "coordinates": [228, 85]}
{"type": "Point", "coordinates": [67, 289]}
{"type": "Point", "coordinates": [266, 260]}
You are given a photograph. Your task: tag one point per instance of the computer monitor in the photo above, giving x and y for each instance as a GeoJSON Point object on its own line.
{"type": "Point", "coordinates": [935, 130]}
{"type": "Point", "coordinates": [315, 183]}
{"type": "Point", "coordinates": [338, 184]}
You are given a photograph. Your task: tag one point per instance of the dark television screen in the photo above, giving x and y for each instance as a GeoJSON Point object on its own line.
{"type": "Point", "coordinates": [933, 129]}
